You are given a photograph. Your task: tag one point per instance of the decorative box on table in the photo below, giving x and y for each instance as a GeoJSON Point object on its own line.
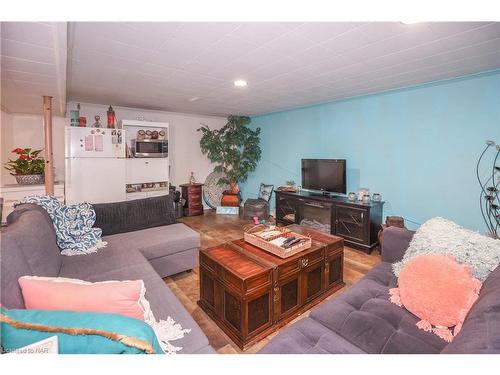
{"type": "Point", "coordinates": [252, 234]}
{"type": "Point", "coordinates": [250, 293]}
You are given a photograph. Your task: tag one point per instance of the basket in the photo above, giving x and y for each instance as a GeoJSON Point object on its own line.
{"type": "Point", "coordinates": [251, 235]}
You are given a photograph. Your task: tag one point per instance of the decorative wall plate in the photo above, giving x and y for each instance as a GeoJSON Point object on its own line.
{"type": "Point", "coordinates": [212, 191]}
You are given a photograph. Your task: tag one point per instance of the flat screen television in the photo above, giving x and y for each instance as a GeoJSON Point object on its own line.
{"type": "Point", "coordinates": [326, 175]}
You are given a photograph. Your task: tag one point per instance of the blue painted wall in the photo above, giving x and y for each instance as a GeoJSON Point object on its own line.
{"type": "Point", "coordinates": [416, 146]}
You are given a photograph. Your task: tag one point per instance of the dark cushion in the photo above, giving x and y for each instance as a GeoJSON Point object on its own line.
{"type": "Point", "coordinates": [364, 316]}
{"type": "Point", "coordinates": [309, 337]}
{"type": "Point", "coordinates": [28, 248]}
{"type": "Point", "coordinates": [134, 215]}
{"type": "Point", "coordinates": [255, 207]}
{"type": "Point", "coordinates": [480, 332]}
{"type": "Point", "coordinates": [256, 203]}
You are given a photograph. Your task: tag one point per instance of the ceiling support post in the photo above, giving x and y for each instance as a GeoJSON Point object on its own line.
{"type": "Point", "coordinates": [47, 129]}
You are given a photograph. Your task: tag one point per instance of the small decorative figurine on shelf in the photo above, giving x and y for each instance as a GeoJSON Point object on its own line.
{"type": "Point", "coordinates": [111, 118]}
{"type": "Point", "coordinates": [83, 122]}
{"type": "Point", "coordinates": [97, 123]}
{"type": "Point", "coordinates": [362, 192]}
{"type": "Point", "coordinates": [192, 180]}
{"type": "Point", "coordinates": [256, 220]}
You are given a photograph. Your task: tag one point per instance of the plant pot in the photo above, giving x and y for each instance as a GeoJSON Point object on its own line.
{"type": "Point", "coordinates": [30, 179]}
{"type": "Point", "coordinates": [229, 199]}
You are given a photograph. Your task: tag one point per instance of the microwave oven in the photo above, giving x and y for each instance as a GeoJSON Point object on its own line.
{"type": "Point", "coordinates": [150, 148]}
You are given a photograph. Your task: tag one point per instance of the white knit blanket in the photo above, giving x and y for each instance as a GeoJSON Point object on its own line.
{"type": "Point", "coordinates": [442, 236]}
{"type": "Point", "coordinates": [165, 330]}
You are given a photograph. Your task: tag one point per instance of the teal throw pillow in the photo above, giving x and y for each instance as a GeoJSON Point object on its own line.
{"type": "Point", "coordinates": [77, 332]}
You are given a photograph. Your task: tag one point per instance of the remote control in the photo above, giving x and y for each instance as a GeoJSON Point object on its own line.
{"type": "Point", "coordinates": [289, 239]}
{"type": "Point", "coordinates": [291, 243]}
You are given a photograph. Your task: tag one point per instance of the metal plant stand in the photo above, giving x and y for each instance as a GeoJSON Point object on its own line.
{"type": "Point", "coordinates": [489, 199]}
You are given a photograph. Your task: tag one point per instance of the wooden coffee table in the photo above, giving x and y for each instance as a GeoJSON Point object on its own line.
{"type": "Point", "coordinates": [250, 293]}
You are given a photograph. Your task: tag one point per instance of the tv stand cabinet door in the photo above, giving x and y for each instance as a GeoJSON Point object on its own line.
{"type": "Point", "coordinates": [352, 223]}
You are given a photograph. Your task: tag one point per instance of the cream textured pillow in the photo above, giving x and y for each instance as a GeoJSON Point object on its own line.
{"type": "Point", "coordinates": [442, 236]}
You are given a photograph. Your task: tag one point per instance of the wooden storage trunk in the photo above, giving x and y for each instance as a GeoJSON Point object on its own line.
{"type": "Point", "coordinates": [250, 293]}
{"type": "Point", "coordinates": [236, 291]}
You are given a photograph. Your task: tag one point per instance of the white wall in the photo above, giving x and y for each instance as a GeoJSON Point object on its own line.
{"type": "Point", "coordinates": [20, 130]}
{"type": "Point", "coordinates": [5, 128]}
{"type": "Point", "coordinates": [184, 143]}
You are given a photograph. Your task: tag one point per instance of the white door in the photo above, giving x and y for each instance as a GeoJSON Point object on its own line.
{"type": "Point", "coordinates": [95, 180]}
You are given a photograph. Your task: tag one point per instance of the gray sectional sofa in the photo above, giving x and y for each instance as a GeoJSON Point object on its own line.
{"type": "Point", "coordinates": [146, 245]}
{"type": "Point", "coordinates": [362, 320]}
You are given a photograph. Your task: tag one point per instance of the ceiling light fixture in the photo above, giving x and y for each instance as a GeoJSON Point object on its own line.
{"type": "Point", "coordinates": [409, 22]}
{"type": "Point", "coordinates": [240, 83]}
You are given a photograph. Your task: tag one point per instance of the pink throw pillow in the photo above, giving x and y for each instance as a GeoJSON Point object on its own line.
{"type": "Point", "coordinates": [57, 293]}
{"type": "Point", "coordinates": [439, 291]}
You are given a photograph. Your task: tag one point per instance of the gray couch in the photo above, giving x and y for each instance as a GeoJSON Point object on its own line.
{"type": "Point", "coordinates": [29, 247]}
{"type": "Point", "coordinates": [362, 320]}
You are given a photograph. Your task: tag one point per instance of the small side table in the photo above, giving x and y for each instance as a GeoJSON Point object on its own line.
{"type": "Point", "coordinates": [192, 194]}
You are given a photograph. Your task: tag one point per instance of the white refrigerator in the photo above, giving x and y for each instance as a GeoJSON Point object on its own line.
{"type": "Point", "coordinates": [95, 165]}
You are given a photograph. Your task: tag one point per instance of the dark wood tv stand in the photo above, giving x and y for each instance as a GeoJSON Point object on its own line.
{"type": "Point", "coordinates": [356, 222]}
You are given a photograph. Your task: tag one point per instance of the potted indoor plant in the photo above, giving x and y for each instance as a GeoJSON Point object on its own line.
{"type": "Point", "coordinates": [28, 168]}
{"type": "Point", "coordinates": [234, 149]}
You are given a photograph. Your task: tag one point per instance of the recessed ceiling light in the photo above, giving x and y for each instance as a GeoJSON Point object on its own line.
{"type": "Point", "coordinates": [409, 22]}
{"type": "Point", "coordinates": [240, 83]}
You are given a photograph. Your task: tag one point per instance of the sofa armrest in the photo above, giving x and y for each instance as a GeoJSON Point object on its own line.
{"type": "Point", "coordinates": [395, 241]}
{"type": "Point", "coordinates": [129, 216]}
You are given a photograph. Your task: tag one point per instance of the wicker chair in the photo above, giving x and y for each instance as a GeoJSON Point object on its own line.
{"type": "Point", "coordinates": [259, 207]}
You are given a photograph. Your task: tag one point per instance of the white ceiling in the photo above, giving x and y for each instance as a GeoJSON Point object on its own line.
{"type": "Point", "coordinates": [287, 65]}
{"type": "Point", "coordinates": [33, 64]}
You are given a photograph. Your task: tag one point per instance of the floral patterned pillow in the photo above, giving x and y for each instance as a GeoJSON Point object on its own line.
{"type": "Point", "coordinates": [73, 224]}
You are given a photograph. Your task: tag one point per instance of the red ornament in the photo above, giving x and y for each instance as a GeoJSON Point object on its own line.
{"type": "Point", "coordinates": [23, 156]}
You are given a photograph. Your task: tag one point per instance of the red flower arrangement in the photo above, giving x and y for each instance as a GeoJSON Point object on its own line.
{"type": "Point", "coordinates": [28, 162]}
